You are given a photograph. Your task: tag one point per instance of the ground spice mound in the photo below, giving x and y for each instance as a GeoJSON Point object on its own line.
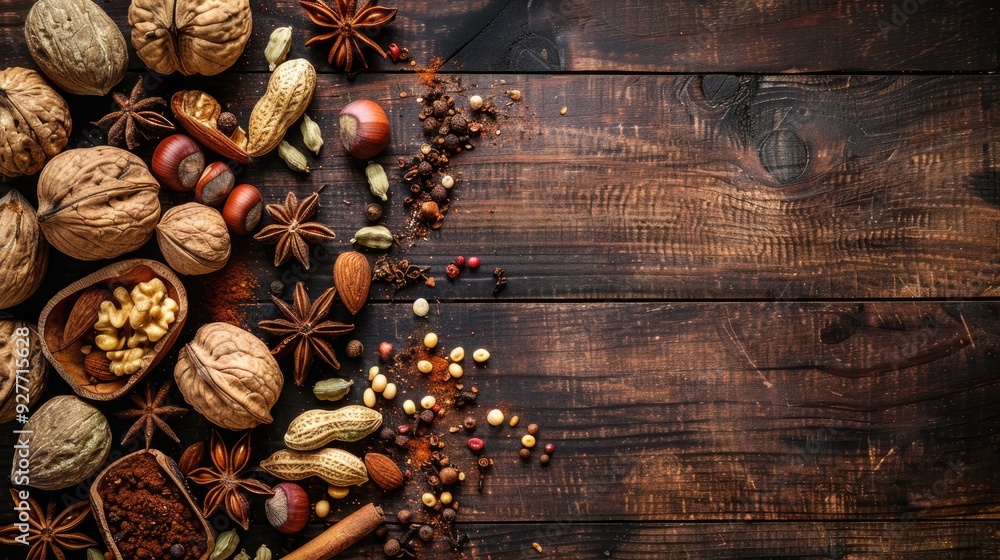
{"type": "Point", "coordinates": [147, 515]}
{"type": "Point", "coordinates": [228, 292]}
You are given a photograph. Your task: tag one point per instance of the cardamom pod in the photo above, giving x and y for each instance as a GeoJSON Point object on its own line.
{"type": "Point", "coordinates": [312, 136]}
{"type": "Point", "coordinates": [94, 554]}
{"type": "Point", "coordinates": [295, 159]}
{"type": "Point", "coordinates": [277, 48]}
{"type": "Point", "coordinates": [263, 553]}
{"type": "Point", "coordinates": [242, 555]}
{"type": "Point", "coordinates": [373, 237]}
{"type": "Point", "coordinates": [332, 389]}
{"type": "Point", "coordinates": [378, 182]}
{"type": "Point", "coordinates": [225, 545]}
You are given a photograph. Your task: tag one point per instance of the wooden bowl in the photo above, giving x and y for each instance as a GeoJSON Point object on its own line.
{"type": "Point", "coordinates": [103, 483]}
{"type": "Point", "coordinates": [68, 360]}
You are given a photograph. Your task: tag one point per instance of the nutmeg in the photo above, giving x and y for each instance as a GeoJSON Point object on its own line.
{"type": "Point", "coordinates": [243, 209]}
{"type": "Point", "coordinates": [364, 129]}
{"type": "Point", "coordinates": [178, 162]}
{"type": "Point", "coordinates": [215, 184]}
{"type": "Point", "coordinates": [288, 509]}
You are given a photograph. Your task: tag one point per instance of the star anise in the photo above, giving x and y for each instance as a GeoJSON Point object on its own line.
{"type": "Point", "coordinates": [293, 232]}
{"type": "Point", "coordinates": [304, 330]}
{"type": "Point", "coordinates": [151, 414]}
{"type": "Point", "coordinates": [349, 27]}
{"type": "Point", "coordinates": [226, 484]}
{"type": "Point", "coordinates": [135, 120]}
{"type": "Point", "coordinates": [48, 531]}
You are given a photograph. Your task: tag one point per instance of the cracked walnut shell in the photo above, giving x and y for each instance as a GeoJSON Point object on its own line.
{"type": "Point", "coordinates": [16, 337]}
{"type": "Point", "coordinates": [190, 36]}
{"type": "Point", "coordinates": [34, 122]}
{"type": "Point", "coordinates": [229, 376]}
{"type": "Point", "coordinates": [97, 203]}
{"type": "Point", "coordinates": [194, 239]}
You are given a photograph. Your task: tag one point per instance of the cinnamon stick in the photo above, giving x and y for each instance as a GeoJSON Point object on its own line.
{"type": "Point", "coordinates": [336, 539]}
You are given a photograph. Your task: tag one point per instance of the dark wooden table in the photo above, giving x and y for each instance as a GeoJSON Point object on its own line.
{"type": "Point", "coordinates": [753, 269]}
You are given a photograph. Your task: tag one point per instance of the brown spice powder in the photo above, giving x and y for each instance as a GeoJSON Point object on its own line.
{"type": "Point", "coordinates": [147, 514]}
{"type": "Point", "coordinates": [228, 292]}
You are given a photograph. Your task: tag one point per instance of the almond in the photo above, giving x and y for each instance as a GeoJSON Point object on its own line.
{"type": "Point", "coordinates": [383, 471]}
{"type": "Point", "coordinates": [98, 366]}
{"type": "Point", "coordinates": [83, 316]}
{"type": "Point", "coordinates": [352, 275]}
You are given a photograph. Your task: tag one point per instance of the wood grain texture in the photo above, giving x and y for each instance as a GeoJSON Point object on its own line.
{"type": "Point", "coordinates": [633, 36]}
{"type": "Point", "coordinates": [707, 187]}
{"type": "Point", "coordinates": [741, 412]}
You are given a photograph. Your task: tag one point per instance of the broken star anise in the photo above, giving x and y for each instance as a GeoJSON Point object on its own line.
{"type": "Point", "coordinates": [305, 330]}
{"type": "Point", "coordinates": [293, 231]}
{"type": "Point", "coordinates": [349, 27]}
{"type": "Point", "coordinates": [135, 120]}
{"type": "Point", "coordinates": [399, 273]}
{"type": "Point", "coordinates": [226, 484]}
{"type": "Point", "coordinates": [150, 414]}
{"type": "Point", "coordinates": [48, 531]}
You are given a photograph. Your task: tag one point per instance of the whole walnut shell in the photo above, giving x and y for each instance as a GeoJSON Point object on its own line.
{"type": "Point", "coordinates": [229, 376]}
{"type": "Point", "coordinates": [76, 45]}
{"type": "Point", "coordinates": [194, 239]}
{"type": "Point", "coordinates": [12, 331]}
{"type": "Point", "coordinates": [69, 441]}
{"type": "Point", "coordinates": [24, 254]}
{"type": "Point", "coordinates": [34, 122]}
{"type": "Point", "coordinates": [190, 36]}
{"type": "Point", "coordinates": [97, 203]}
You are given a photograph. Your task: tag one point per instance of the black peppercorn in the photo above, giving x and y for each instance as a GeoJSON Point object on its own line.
{"type": "Point", "coordinates": [452, 142]}
{"type": "Point", "coordinates": [427, 416]}
{"type": "Point", "coordinates": [404, 516]}
{"type": "Point", "coordinates": [449, 515]}
{"type": "Point", "coordinates": [425, 168]}
{"type": "Point", "coordinates": [439, 193]}
{"type": "Point", "coordinates": [426, 533]}
{"type": "Point", "coordinates": [459, 125]}
{"type": "Point", "coordinates": [227, 123]}
{"type": "Point", "coordinates": [387, 434]}
{"type": "Point", "coordinates": [544, 459]}
{"type": "Point", "coordinates": [440, 108]}
{"type": "Point", "coordinates": [277, 287]}
{"type": "Point", "coordinates": [382, 531]}
{"type": "Point", "coordinates": [525, 453]}
{"type": "Point", "coordinates": [392, 548]}
{"type": "Point", "coordinates": [177, 551]}
{"type": "Point", "coordinates": [355, 349]}
{"type": "Point", "coordinates": [430, 125]}
{"type": "Point", "coordinates": [373, 212]}
{"type": "Point", "coordinates": [402, 441]}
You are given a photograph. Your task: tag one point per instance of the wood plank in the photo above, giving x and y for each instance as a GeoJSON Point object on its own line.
{"type": "Point", "coordinates": [679, 186]}
{"type": "Point", "coordinates": [702, 412]}
{"type": "Point", "coordinates": [685, 36]}
{"type": "Point", "coordinates": [711, 541]}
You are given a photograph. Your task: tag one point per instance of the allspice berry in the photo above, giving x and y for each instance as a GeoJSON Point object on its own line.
{"type": "Point", "coordinates": [525, 453]}
{"type": "Point", "coordinates": [404, 516]}
{"type": "Point", "coordinates": [355, 349]}
{"type": "Point", "coordinates": [448, 476]}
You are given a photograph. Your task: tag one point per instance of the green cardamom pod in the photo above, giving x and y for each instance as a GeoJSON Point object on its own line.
{"type": "Point", "coordinates": [295, 159]}
{"type": "Point", "coordinates": [263, 553]}
{"type": "Point", "coordinates": [374, 237]}
{"type": "Point", "coordinates": [332, 389]}
{"type": "Point", "coordinates": [312, 136]}
{"type": "Point", "coordinates": [94, 554]}
{"type": "Point", "coordinates": [277, 47]}
{"type": "Point", "coordinates": [242, 555]}
{"type": "Point", "coordinates": [377, 180]}
{"type": "Point", "coordinates": [225, 545]}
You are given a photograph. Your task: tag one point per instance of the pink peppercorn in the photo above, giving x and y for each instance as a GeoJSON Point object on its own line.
{"type": "Point", "coordinates": [385, 351]}
{"type": "Point", "coordinates": [436, 408]}
{"type": "Point", "coordinates": [549, 449]}
{"type": "Point", "coordinates": [473, 262]}
{"type": "Point", "coordinates": [394, 51]}
{"type": "Point", "coordinates": [476, 444]}
{"type": "Point", "coordinates": [403, 429]}
{"type": "Point", "coordinates": [460, 261]}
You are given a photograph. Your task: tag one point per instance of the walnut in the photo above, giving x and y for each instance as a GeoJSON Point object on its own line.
{"type": "Point", "coordinates": [16, 335]}
{"type": "Point", "coordinates": [194, 239]}
{"type": "Point", "coordinates": [97, 203]}
{"type": "Point", "coordinates": [24, 254]}
{"type": "Point", "coordinates": [229, 376]}
{"type": "Point", "coordinates": [34, 122]}
{"type": "Point", "coordinates": [76, 45]}
{"type": "Point", "coordinates": [190, 36]}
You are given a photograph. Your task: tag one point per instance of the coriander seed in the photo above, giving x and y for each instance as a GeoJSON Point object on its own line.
{"type": "Point", "coordinates": [495, 417]}
{"type": "Point", "coordinates": [428, 402]}
{"type": "Point", "coordinates": [379, 383]}
{"type": "Point", "coordinates": [424, 366]}
{"type": "Point", "coordinates": [457, 354]}
{"type": "Point", "coordinates": [428, 499]}
{"type": "Point", "coordinates": [481, 355]}
{"type": "Point", "coordinates": [409, 406]}
{"type": "Point", "coordinates": [421, 308]}
{"type": "Point", "coordinates": [455, 370]}
{"type": "Point", "coordinates": [390, 391]}
{"type": "Point", "coordinates": [446, 498]}
{"type": "Point", "coordinates": [447, 181]}
{"type": "Point", "coordinates": [476, 102]}
{"type": "Point", "coordinates": [430, 340]}
{"type": "Point", "coordinates": [528, 440]}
